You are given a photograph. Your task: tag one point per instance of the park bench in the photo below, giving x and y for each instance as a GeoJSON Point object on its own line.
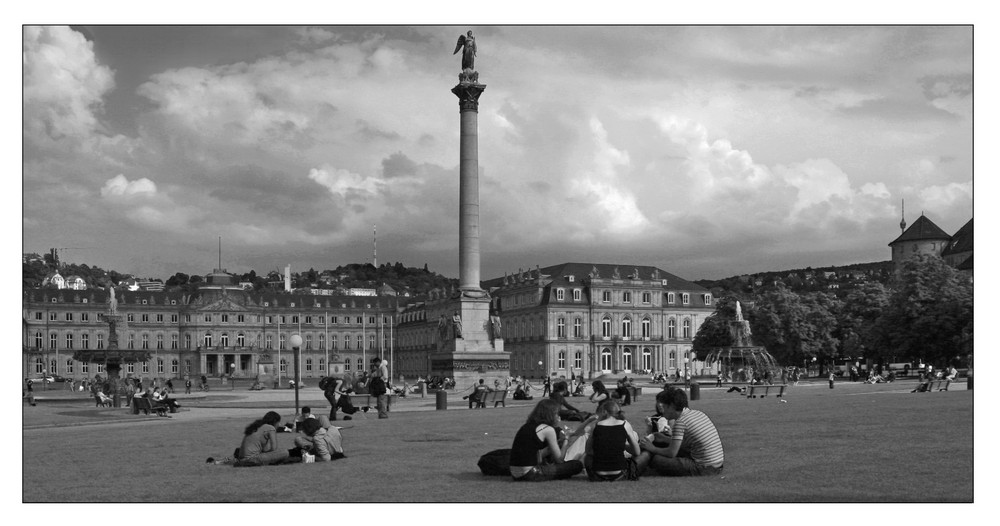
{"type": "Point", "coordinates": [938, 385]}
{"type": "Point", "coordinates": [100, 403]}
{"type": "Point", "coordinates": [147, 406]}
{"type": "Point", "coordinates": [762, 390]}
{"type": "Point", "coordinates": [362, 400]}
{"type": "Point", "coordinates": [497, 396]}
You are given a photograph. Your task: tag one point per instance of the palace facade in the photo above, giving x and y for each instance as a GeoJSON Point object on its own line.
{"type": "Point", "coordinates": [220, 330]}
{"type": "Point", "coordinates": [580, 319]}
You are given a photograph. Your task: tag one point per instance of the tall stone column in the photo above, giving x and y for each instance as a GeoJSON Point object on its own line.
{"type": "Point", "coordinates": [468, 221]}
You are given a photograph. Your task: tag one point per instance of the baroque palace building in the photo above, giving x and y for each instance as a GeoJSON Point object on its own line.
{"type": "Point", "coordinates": [578, 319]}
{"type": "Point", "coordinates": [220, 330]}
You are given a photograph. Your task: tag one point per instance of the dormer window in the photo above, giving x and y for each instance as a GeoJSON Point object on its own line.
{"type": "Point", "coordinates": [708, 299]}
{"type": "Point", "coordinates": [560, 295]}
{"type": "Point", "coordinates": [576, 294]}
{"type": "Point", "coordinates": [685, 298]}
{"type": "Point", "coordinates": [571, 278]}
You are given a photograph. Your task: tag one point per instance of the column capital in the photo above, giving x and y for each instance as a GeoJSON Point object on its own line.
{"type": "Point", "coordinates": [468, 95]}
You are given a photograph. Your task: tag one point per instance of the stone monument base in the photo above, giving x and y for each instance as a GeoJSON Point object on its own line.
{"type": "Point", "coordinates": [468, 367]}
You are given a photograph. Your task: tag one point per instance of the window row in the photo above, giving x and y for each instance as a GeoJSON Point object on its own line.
{"type": "Point", "coordinates": [207, 340]}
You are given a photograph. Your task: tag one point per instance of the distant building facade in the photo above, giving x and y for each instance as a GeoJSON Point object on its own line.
{"type": "Point", "coordinates": [925, 237]}
{"type": "Point", "coordinates": [221, 330]}
{"type": "Point", "coordinates": [580, 319]}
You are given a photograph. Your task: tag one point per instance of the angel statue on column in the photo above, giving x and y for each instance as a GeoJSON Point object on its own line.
{"type": "Point", "coordinates": [468, 42]}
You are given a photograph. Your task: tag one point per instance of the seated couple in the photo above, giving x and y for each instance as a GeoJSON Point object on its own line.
{"type": "Point", "coordinates": [260, 444]}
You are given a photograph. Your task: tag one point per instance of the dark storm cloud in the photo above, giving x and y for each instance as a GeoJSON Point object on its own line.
{"type": "Point", "coordinates": [398, 165]}
{"type": "Point", "coordinates": [266, 191]}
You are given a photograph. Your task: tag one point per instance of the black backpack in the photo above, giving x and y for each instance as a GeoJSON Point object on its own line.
{"type": "Point", "coordinates": [327, 382]}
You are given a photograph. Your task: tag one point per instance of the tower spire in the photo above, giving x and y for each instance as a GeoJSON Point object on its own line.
{"type": "Point", "coordinates": [902, 216]}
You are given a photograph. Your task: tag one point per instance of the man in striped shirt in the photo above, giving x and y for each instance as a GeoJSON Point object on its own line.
{"type": "Point", "coordinates": [695, 447]}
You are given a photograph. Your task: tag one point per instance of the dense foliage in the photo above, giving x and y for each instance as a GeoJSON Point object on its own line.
{"type": "Point", "coordinates": [924, 315]}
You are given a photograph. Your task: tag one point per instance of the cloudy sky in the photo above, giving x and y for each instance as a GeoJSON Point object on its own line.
{"type": "Point", "coordinates": [707, 151]}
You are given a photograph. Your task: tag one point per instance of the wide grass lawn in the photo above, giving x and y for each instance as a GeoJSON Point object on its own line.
{"type": "Point", "coordinates": [856, 443]}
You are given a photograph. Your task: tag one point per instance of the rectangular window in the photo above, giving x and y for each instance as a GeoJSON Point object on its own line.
{"type": "Point", "coordinates": [38, 315]}
{"type": "Point", "coordinates": [295, 318]}
{"type": "Point", "coordinates": [145, 367]}
{"type": "Point", "coordinates": [130, 317]}
{"type": "Point", "coordinates": [53, 316]}
{"type": "Point", "coordinates": [606, 296]}
{"type": "Point", "coordinates": [145, 341]}
{"type": "Point", "coordinates": [561, 328]}
{"type": "Point", "coordinates": [69, 366]}
{"type": "Point", "coordinates": [309, 319]}
{"type": "Point", "coordinates": [84, 367]}
{"type": "Point", "coordinates": [100, 341]}
{"type": "Point", "coordinates": [187, 318]}
{"type": "Point", "coordinates": [145, 318]}
{"type": "Point", "coordinates": [626, 297]}
{"type": "Point", "coordinates": [85, 341]}
{"type": "Point", "coordinates": [577, 328]}
{"type": "Point", "coordinates": [361, 342]}
{"type": "Point", "coordinates": [685, 298]}
{"type": "Point", "coordinates": [208, 318]}
{"type": "Point", "coordinates": [561, 361]}
{"type": "Point", "coordinates": [708, 299]}
{"type": "Point", "coordinates": [333, 319]}
{"type": "Point", "coordinates": [576, 294]}
{"type": "Point", "coordinates": [53, 340]}
{"type": "Point", "coordinates": [225, 318]}
{"type": "Point", "coordinates": [159, 318]}
{"type": "Point", "coordinates": [240, 318]}
{"type": "Point", "coordinates": [371, 320]}
{"type": "Point", "coordinates": [84, 316]}
{"type": "Point", "coordinates": [578, 360]}
{"type": "Point", "coordinates": [333, 342]}
{"type": "Point", "coordinates": [560, 294]}
{"type": "Point", "coordinates": [671, 299]}
{"type": "Point", "coordinates": [646, 298]}
{"type": "Point", "coordinates": [359, 320]}
{"type": "Point", "coordinates": [159, 341]}
{"type": "Point", "coordinates": [69, 341]}
{"type": "Point", "coordinates": [173, 341]}
{"type": "Point", "coordinates": [69, 316]}
{"type": "Point", "coordinates": [159, 366]}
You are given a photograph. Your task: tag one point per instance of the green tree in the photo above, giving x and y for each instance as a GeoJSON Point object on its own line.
{"type": "Point", "coordinates": [862, 308]}
{"type": "Point", "coordinates": [929, 314]}
{"type": "Point", "coordinates": [795, 328]}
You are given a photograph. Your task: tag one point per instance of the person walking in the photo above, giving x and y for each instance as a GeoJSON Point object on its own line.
{"type": "Point", "coordinates": [547, 384]}
{"type": "Point", "coordinates": [832, 376]}
{"type": "Point", "coordinates": [377, 386]}
{"type": "Point", "coordinates": [187, 385]}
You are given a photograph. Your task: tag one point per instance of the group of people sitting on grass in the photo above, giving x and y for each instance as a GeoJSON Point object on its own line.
{"type": "Point", "coordinates": [316, 441]}
{"type": "Point", "coordinates": [680, 441]}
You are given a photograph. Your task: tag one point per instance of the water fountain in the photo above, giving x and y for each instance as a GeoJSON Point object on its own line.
{"type": "Point", "coordinates": [112, 357]}
{"type": "Point", "coordinates": [742, 354]}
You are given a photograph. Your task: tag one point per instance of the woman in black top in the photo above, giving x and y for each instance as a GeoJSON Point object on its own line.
{"type": "Point", "coordinates": [612, 437]}
{"type": "Point", "coordinates": [536, 454]}
{"type": "Point", "coordinates": [600, 393]}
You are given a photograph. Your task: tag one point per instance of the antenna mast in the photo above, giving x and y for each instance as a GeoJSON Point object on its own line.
{"type": "Point", "coordinates": [902, 217]}
{"type": "Point", "coordinates": [374, 246]}
{"type": "Point", "coordinates": [220, 252]}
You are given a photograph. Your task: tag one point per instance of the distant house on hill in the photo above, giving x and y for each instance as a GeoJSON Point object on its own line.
{"type": "Point", "coordinates": [924, 237]}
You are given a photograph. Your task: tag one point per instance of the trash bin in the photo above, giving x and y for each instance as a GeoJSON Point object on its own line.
{"type": "Point", "coordinates": [442, 400]}
{"type": "Point", "coordinates": [695, 391]}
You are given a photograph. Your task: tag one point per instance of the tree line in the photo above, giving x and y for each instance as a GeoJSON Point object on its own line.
{"type": "Point", "coordinates": [923, 315]}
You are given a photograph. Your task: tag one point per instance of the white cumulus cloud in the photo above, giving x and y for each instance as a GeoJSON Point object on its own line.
{"type": "Point", "coordinates": [119, 185]}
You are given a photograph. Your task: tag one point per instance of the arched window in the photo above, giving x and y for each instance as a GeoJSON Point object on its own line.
{"type": "Point", "coordinates": [606, 359]}
{"type": "Point", "coordinates": [281, 342]}
{"type": "Point", "coordinates": [687, 328]}
{"type": "Point", "coordinates": [208, 339]}
{"type": "Point", "coordinates": [309, 342]}
{"type": "Point", "coordinates": [647, 359]}
{"type": "Point", "coordinates": [577, 327]}
{"type": "Point", "coordinates": [241, 339]}
{"type": "Point", "coordinates": [561, 328]}
{"type": "Point", "coordinates": [322, 344]}
{"type": "Point", "coordinates": [627, 359]}
{"type": "Point", "coordinates": [646, 328]}
{"type": "Point", "coordinates": [671, 329]}
{"type": "Point", "coordinates": [224, 340]}
{"type": "Point", "coordinates": [38, 340]}
{"type": "Point", "coordinates": [606, 327]}
{"type": "Point", "coordinates": [627, 327]}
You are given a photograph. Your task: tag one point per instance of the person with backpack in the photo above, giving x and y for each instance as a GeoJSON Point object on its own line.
{"type": "Point", "coordinates": [338, 396]}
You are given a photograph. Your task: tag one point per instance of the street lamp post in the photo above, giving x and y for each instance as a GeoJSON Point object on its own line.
{"type": "Point", "coordinates": [296, 342]}
{"type": "Point", "coordinates": [232, 381]}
